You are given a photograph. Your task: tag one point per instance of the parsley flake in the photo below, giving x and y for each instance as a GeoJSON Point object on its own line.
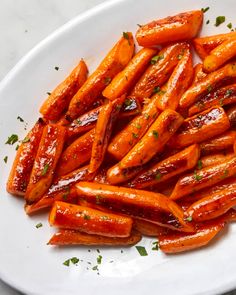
{"type": "Point", "coordinates": [156, 58]}
{"type": "Point", "coordinates": [86, 217]}
{"type": "Point", "coordinates": [95, 267]}
{"type": "Point", "coordinates": [189, 218]}
{"type": "Point", "coordinates": [199, 164]}
{"type": "Point", "coordinates": [141, 250]}
{"type": "Point", "coordinates": [155, 134]}
{"type": "Point", "coordinates": [158, 175]}
{"type": "Point", "coordinates": [205, 9]}
{"type": "Point", "coordinates": [5, 159]}
{"type": "Point", "coordinates": [74, 260]}
{"type": "Point", "coordinates": [12, 139]}
{"type": "Point", "coordinates": [155, 246]}
{"type": "Point", "coordinates": [67, 262]}
{"type": "Point", "coordinates": [207, 22]}
{"type": "Point", "coordinates": [45, 169]}
{"type": "Point", "coordinates": [20, 119]}
{"type": "Point", "coordinates": [219, 20]}
{"type": "Point", "coordinates": [134, 135]}
{"type": "Point", "coordinates": [39, 225]}
{"type": "Point", "coordinates": [128, 102]}
{"type": "Point", "coordinates": [230, 26]}
{"type": "Point", "coordinates": [156, 89]}
{"type": "Point", "coordinates": [48, 93]}
{"type": "Point", "coordinates": [99, 259]}
{"type": "Point", "coordinates": [56, 68]}
{"type": "Point", "coordinates": [196, 176]}
{"type": "Point", "coordinates": [26, 139]}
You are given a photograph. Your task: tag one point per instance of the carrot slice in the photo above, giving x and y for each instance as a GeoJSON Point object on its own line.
{"type": "Point", "coordinates": [214, 159]}
{"type": "Point", "coordinates": [198, 73]}
{"type": "Point", "coordinates": [150, 229]}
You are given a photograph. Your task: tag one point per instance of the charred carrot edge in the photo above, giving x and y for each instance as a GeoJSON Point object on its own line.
{"type": "Point", "coordinates": [150, 229]}
{"type": "Point", "coordinates": [198, 73]}
{"type": "Point", "coordinates": [203, 178]}
{"type": "Point", "coordinates": [204, 45]}
{"type": "Point", "coordinates": [89, 220]}
{"type": "Point", "coordinates": [231, 113]}
{"type": "Point", "coordinates": [23, 163]}
{"type": "Point", "coordinates": [206, 85]}
{"type": "Point", "coordinates": [158, 72]}
{"type": "Point", "coordinates": [220, 97]}
{"type": "Point", "coordinates": [182, 26]}
{"type": "Point", "coordinates": [113, 63]}
{"type": "Point", "coordinates": [58, 101]}
{"type": "Point", "coordinates": [76, 154]}
{"type": "Point", "coordinates": [178, 82]}
{"type": "Point", "coordinates": [137, 203]}
{"type": "Point", "coordinates": [65, 237]}
{"type": "Point", "coordinates": [126, 79]}
{"type": "Point", "coordinates": [48, 154]}
{"type": "Point", "coordinates": [201, 127]}
{"type": "Point", "coordinates": [214, 159]}
{"type": "Point", "coordinates": [167, 168]}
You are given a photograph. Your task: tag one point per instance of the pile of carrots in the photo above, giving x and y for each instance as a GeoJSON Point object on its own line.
{"type": "Point", "coordinates": [145, 145]}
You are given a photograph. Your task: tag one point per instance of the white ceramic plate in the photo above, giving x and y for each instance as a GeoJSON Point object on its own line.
{"type": "Point", "coordinates": [26, 262]}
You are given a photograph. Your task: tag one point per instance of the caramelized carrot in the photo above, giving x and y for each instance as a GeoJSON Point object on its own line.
{"type": "Point", "coordinates": [167, 168]}
{"type": "Point", "coordinates": [49, 151]}
{"type": "Point", "coordinates": [65, 237]}
{"type": "Point", "coordinates": [220, 97]}
{"type": "Point", "coordinates": [182, 26]}
{"type": "Point", "coordinates": [231, 113]}
{"type": "Point", "coordinates": [20, 172]}
{"type": "Point", "coordinates": [150, 229]}
{"type": "Point", "coordinates": [113, 63]}
{"type": "Point", "coordinates": [89, 220]}
{"type": "Point", "coordinates": [203, 178]}
{"type": "Point", "coordinates": [130, 107]}
{"type": "Point", "coordinates": [58, 101]}
{"type": "Point", "coordinates": [215, 159]}
{"type": "Point", "coordinates": [126, 79]}
{"type": "Point", "coordinates": [116, 174]}
{"type": "Point", "coordinates": [201, 127]}
{"type": "Point", "coordinates": [198, 73]}
{"type": "Point", "coordinates": [76, 154]}
{"type": "Point", "coordinates": [207, 84]}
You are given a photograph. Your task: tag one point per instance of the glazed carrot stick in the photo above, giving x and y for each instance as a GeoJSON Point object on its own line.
{"type": "Point", "coordinates": [130, 107]}
{"type": "Point", "coordinates": [150, 229]}
{"type": "Point", "coordinates": [215, 159]}
{"type": "Point", "coordinates": [137, 203]}
{"type": "Point", "coordinates": [207, 84]}
{"type": "Point", "coordinates": [182, 26]}
{"type": "Point", "coordinates": [65, 237]}
{"type": "Point", "coordinates": [231, 113]}
{"type": "Point", "coordinates": [126, 79]}
{"type": "Point", "coordinates": [220, 55]}
{"type": "Point", "coordinates": [105, 122]}
{"type": "Point", "coordinates": [219, 143]}
{"type": "Point", "coordinates": [76, 154]}
{"type": "Point", "coordinates": [113, 63]}
{"type": "Point", "coordinates": [178, 82]}
{"type": "Point", "coordinates": [167, 168]}
{"type": "Point", "coordinates": [201, 127]}
{"type": "Point", "coordinates": [116, 174]}
{"type": "Point", "coordinates": [180, 242]}
{"type": "Point", "coordinates": [48, 154]}
{"type": "Point", "coordinates": [154, 139]}
{"type": "Point", "coordinates": [203, 178]}
{"type": "Point", "coordinates": [198, 74]}
{"type": "Point", "coordinates": [88, 220]}
{"type": "Point", "coordinates": [58, 101]}
{"type": "Point", "coordinates": [204, 45]}
{"type": "Point", "coordinates": [159, 71]}
{"type": "Point", "coordinates": [221, 97]}
{"type": "Point", "coordinates": [20, 172]}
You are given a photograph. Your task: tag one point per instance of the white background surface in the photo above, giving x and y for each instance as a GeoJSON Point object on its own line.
{"type": "Point", "coordinates": [23, 23]}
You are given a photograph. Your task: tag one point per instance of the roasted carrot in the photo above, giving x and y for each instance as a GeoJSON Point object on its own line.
{"type": "Point", "coordinates": [178, 83]}
{"type": "Point", "coordinates": [231, 113]}
{"type": "Point", "coordinates": [126, 79]}
{"type": "Point", "coordinates": [221, 97]}
{"type": "Point", "coordinates": [20, 172]}
{"type": "Point", "coordinates": [130, 107]}
{"type": "Point", "coordinates": [76, 154]}
{"type": "Point", "coordinates": [89, 220]}
{"type": "Point", "coordinates": [48, 154]}
{"type": "Point", "coordinates": [214, 159]}
{"type": "Point", "coordinates": [150, 229]}
{"type": "Point", "coordinates": [113, 63]}
{"type": "Point", "coordinates": [65, 237]}
{"type": "Point", "coordinates": [207, 84]}
{"type": "Point", "coordinates": [235, 147]}
{"type": "Point", "coordinates": [159, 71]}
{"type": "Point", "coordinates": [116, 174]}
{"type": "Point", "coordinates": [167, 168]}
{"type": "Point", "coordinates": [201, 127]}
{"type": "Point", "coordinates": [204, 45]}
{"type": "Point", "coordinates": [182, 26]}
{"type": "Point", "coordinates": [58, 101]}
{"type": "Point", "coordinates": [137, 203]}
{"type": "Point", "coordinates": [203, 178]}
{"type": "Point", "coordinates": [198, 74]}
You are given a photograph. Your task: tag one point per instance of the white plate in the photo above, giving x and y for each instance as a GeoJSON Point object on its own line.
{"type": "Point", "coordinates": [26, 262]}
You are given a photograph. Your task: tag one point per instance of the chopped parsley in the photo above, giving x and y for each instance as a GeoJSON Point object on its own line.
{"type": "Point", "coordinates": [86, 217]}
{"type": "Point", "coordinates": [228, 93]}
{"type": "Point", "coordinates": [95, 267]}
{"type": "Point", "coordinates": [12, 139]}
{"type": "Point", "coordinates": [140, 26]}
{"type": "Point", "coordinates": [67, 262]}
{"type": "Point", "coordinates": [74, 260]}
{"type": "Point", "coordinates": [79, 121]}
{"type": "Point", "coordinates": [17, 147]}
{"type": "Point", "coordinates": [98, 250]}
{"type": "Point", "coordinates": [196, 176]}
{"type": "Point", "coordinates": [138, 126]}
{"type": "Point", "coordinates": [205, 9]}
{"type": "Point", "coordinates": [189, 218]}
{"type": "Point", "coordinates": [126, 35]}
{"type": "Point", "coordinates": [156, 58]}
{"type": "Point", "coordinates": [128, 102]}
{"type": "Point", "coordinates": [230, 26]}
{"type": "Point", "coordinates": [158, 175]}
{"type": "Point", "coordinates": [56, 68]}
{"type": "Point", "coordinates": [20, 119]}
{"type": "Point", "coordinates": [207, 22]}
{"type": "Point", "coordinates": [155, 134]}
{"type": "Point", "coordinates": [26, 139]}
{"type": "Point", "coordinates": [199, 164]}
{"type": "Point", "coordinates": [45, 169]}
{"type": "Point", "coordinates": [156, 89]}
{"type": "Point", "coordinates": [141, 250]}
{"type": "Point", "coordinates": [99, 259]}
{"type": "Point", "coordinates": [219, 20]}
{"type": "Point", "coordinates": [226, 173]}
{"type": "Point", "coordinates": [39, 225]}
{"type": "Point", "coordinates": [5, 159]}
{"type": "Point", "coordinates": [48, 93]}
{"type": "Point", "coordinates": [135, 135]}
{"type": "Point", "coordinates": [155, 246]}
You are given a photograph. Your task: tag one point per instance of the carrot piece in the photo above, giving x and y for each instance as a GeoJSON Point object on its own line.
{"type": "Point", "coordinates": [150, 229]}
{"type": "Point", "coordinates": [154, 139]}
{"type": "Point", "coordinates": [204, 45]}
{"type": "Point", "coordinates": [231, 113]}
{"type": "Point", "coordinates": [182, 26]}
{"type": "Point", "coordinates": [116, 174]}
{"type": "Point", "coordinates": [221, 97]}
{"type": "Point", "coordinates": [203, 178]}
{"type": "Point", "coordinates": [235, 147]}
{"type": "Point", "coordinates": [207, 84]}
{"type": "Point", "coordinates": [198, 73]}
{"type": "Point", "coordinates": [215, 159]}
{"type": "Point", "coordinates": [113, 63]}
{"type": "Point", "coordinates": [137, 203]}
{"type": "Point", "coordinates": [76, 154]}
{"type": "Point", "coordinates": [159, 71]}
{"type": "Point", "coordinates": [58, 101]}
{"type": "Point", "coordinates": [126, 79]}
{"type": "Point", "coordinates": [180, 242]}
{"type": "Point", "coordinates": [89, 220]}
{"type": "Point", "coordinates": [20, 172]}
{"type": "Point", "coordinates": [219, 143]}
{"type": "Point", "coordinates": [167, 168]}
{"type": "Point", "coordinates": [201, 127]}
{"type": "Point", "coordinates": [220, 55]}
{"type": "Point", "coordinates": [65, 237]}
{"type": "Point", "coordinates": [49, 151]}
{"type": "Point", "coordinates": [105, 122]}
{"type": "Point", "coordinates": [178, 82]}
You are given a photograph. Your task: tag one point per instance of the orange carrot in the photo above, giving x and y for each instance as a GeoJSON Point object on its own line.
{"type": "Point", "coordinates": [150, 229]}
{"type": "Point", "coordinates": [198, 73]}
{"type": "Point", "coordinates": [231, 113]}
{"type": "Point", "coordinates": [215, 159]}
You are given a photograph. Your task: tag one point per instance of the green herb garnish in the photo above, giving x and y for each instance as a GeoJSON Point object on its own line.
{"type": "Point", "coordinates": [158, 175]}
{"type": "Point", "coordinates": [5, 159]}
{"type": "Point", "coordinates": [156, 89]}
{"type": "Point", "coordinates": [95, 267]}
{"type": "Point", "coordinates": [99, 259]}
{"type": "Point", "coordinates": [155, 134]}
{"type": "Point", "coordinates": [45, 169]}
{"type": "Point", "coordinates": [74, 260]}
{"type": "Point", "coordinates": [138, 126]}
{"type": "Point", "coordinates": [128, 102]}
{"type": "Point", "coordinates": [135, 135]}
{"type": "Point", "coordinates": [141, 250]}
{"type": "Point", "coordinates": [67, 262]}
{"type": "Point", "coordinates": [219, 20]}
{"type": "Point", "coordinates": [20, 119]}
{"type": "Point", "coordinates": [196, 176]}
{"type": "Point", "coordinates": [12, 139]}
{"type": "Point", "coordinates": [205, 9]}
{"type": "Point", "coordinates": [207, 22]}
{"type": "Point", "coordinates": [146, 116]}
{"type": "Point", "coordinates": [39, 225]}
{"type": "Point", "coordinates": [156, 58]}
{"type": "Point", "coordinates": [189, 218]}
{"type": "Point", "coordinates": [199, 164]}
{"type": "Point", "coordinates": [155, 246]}
{"type": "Point", "coordinates": [26, 139]}
{"type": "Point", "coordinates": [56, 68]}
{"type": "Point", "coordinates": [86, 217]}
{"type": "Point", "coordinates": [230, 26]}
{"type": "Point", "coordinates": [48, 93]}
{"type": "Point", "coordinates": [226, 173]}
{"type": "Point", "coordinates": [17, 147]}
